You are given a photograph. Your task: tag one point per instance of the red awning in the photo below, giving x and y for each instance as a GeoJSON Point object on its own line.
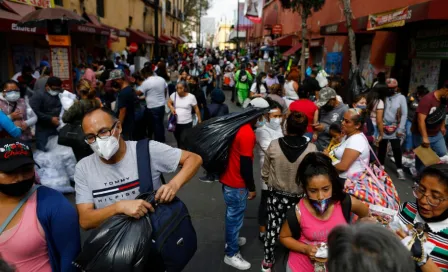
{"type": "Point", "coordinates": [287, 40]}
{"type": "Point", "coordinates": [164, 39]}
{"type": "Point", "coordinates": [17, 8]}
{"type": "Point", "coordinates": [90, 28]}
{"type": "Point", "coordinates": [116, 32]}
{"type": "Point", "coordinates": [292, 50]}
{"type": "Point", "coordinates": [139, 36]}
{"type": "Point", "coordinates": [8, 23]}
{"type": "Point", "coordinates": [431, 10]}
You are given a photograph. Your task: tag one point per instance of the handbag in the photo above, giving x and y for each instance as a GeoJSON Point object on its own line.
{"type": "Point", "coordinates": [172, 118]}
{"type": "Point", "coordinates": [71, 134]}
{"type": "Point", "coordinates": [373, 186]}
{"type": "Point", "coordinates": [434, 119]}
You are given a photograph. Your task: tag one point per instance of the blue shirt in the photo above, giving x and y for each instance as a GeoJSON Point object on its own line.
{"type": "Point", "coordinates": [7, 125]}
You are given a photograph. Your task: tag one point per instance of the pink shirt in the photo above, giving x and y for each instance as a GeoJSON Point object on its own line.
{"type": "Point", "coordinates": [23, 246]}
{"type": "Point", "coordinates": [89, 74]}
{"type": "Point", "coordinates": [313, 231]}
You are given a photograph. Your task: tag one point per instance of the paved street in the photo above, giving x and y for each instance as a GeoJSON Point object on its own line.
{"type": "Point", "coordinates": [207, 209]}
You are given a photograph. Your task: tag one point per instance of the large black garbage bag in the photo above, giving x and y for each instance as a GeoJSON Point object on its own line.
{"type": "Point", "coordinates": [212, 139]}
{"type": "Point", "coordinates": [121, 243]}
{"type": "Point", "coordinates": [356, 86]}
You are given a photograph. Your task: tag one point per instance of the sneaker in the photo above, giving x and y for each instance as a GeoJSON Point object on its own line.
{"type": "Point", "coordinates": [241, 241]}
{"type": "Point", "coordinates": [401, 174]}
{"type": "Point", "coordinates": [237, 261]}
{"type": "Point", "coordinates": [206, 179]}
{"type": "Point", "coordinates": [266, 267]}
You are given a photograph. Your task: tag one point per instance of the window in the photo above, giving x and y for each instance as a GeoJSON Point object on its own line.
{"type": "Point", "coordinates": [130, 21]}
{"type": "Point", "coordinates": [58, 2]}
{"type": "Point", "coordinates": [100, 8]}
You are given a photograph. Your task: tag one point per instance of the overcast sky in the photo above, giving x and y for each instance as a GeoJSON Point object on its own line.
{"type": "Point", "coordinates": [223, 8]}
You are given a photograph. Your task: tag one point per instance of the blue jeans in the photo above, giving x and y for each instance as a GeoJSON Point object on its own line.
{"type": "Point", "coordinates": [437, 144]}
{"type": "Point", "coordinates": [236, 202]}
{"type": "Point", "coordinates": [408, 141]}
{"type": "Point", "coordinates": [157, 116]}
{"type": "Point", "coordinates": [42, 136]}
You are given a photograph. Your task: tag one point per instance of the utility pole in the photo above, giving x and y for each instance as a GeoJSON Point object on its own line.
{"type": "Point", "coordinates": [237, 25]}
{"type": "Point", "coordinates": [199, 17]}
{"type": "Point", "coordinates": [156, 25]}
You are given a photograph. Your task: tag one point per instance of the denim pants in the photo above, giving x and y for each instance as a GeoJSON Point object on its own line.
{"type": "Point", "coordinates": [437, 144]}
{"type": "Point", "coordinates": [236, 202]}
{"type": "Point", "coordinates": [157, 115]}
{"type": "Point", "coordinates": [408, 140]}
{"type": "Point", "coordinates": [42, 136]}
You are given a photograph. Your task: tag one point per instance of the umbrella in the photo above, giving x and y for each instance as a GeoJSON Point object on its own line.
{"type": "Point", "coordinates": [41, 17]}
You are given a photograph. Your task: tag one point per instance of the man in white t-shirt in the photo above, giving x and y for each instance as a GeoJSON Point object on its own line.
{"type": "Point", "coordinates": [155, 90]}
{"type": "Point", "coordinates": [107, 182]}
{"type": "Point", "coordinates": [218, 76]}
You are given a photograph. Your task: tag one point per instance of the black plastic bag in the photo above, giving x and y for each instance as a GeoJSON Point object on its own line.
{"type": "Point", "coordinates": [356, 86]}
{"type": "Point", "coordinates": [212, 139]}
{"type": "Point", "coordinates": [121, 243]}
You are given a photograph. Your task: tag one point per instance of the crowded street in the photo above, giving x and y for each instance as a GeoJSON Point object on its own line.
{"type": "Point", "coordinates": [209, 135]}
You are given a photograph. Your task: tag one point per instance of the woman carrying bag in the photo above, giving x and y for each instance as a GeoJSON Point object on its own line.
{"type": "Point", "coordinates": [181, 103]}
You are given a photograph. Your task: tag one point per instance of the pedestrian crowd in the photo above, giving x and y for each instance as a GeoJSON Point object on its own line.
{"type": "Point", "coordinates": [321, 161]}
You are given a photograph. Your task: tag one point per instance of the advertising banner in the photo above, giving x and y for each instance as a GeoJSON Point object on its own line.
{"type": "Point", "coordinates": [253, 10]}
{"type": "Point", "coordinates": [393, 18]}
{"type": "Point", "coordinates": [37, 3]}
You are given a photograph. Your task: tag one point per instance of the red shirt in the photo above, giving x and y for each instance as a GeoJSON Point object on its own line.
{"type": "Point", "coordinates": [427, 104]}
{"type": "Point", "coordinates": [243, 145]}
{"type": "Point", "coordinates": [307, 107]}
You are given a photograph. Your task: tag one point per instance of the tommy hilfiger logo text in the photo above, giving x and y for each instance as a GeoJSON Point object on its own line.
{"type": "Point", "coordinates": [118, 189]}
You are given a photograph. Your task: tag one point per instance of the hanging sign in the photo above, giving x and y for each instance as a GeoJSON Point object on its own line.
{"type": "Point", "coordinates": [37, 3]}
{"type": "Point", "coordinates": [58, 40]}
{"type": "Point", "coordinates": [133, 47]}
{"type": "Point", "coordinates": [393, 18]}
{"type": "Point", "coordinates": [253, 10]}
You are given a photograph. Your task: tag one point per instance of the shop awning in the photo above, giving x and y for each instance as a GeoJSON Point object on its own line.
{"type": "Point", "coordinates": [90, 28]}
{"type": "Point", "coordinates": [117, 32]}
{"type": "Point", "coordinates": [164, 39]}
{"type": "Point", "coordinates": [179, 40]}
{"type": "Point", "coordinates": [292, 50]}
{"type": "Point", "coordinates": [17, 8]}
{"type": "Point", "coordinates": [431, 10]}
{"type": "Point", "coordinates": [8, 23]}
{"type": "Point", "coordinates": [287, 40]}
{"type": "Point", "coordinates": [140, 37]}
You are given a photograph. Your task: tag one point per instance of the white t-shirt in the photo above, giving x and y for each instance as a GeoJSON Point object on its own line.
{"type": "Point", "coordinates": [378, 106]}
{"type": "Point", "coordinates": [356, 142]}
{"type": "Point", "coordinates": [253, 88]}
{"type": "Point", "coordinates": [154, 89]}
{"type": "Point", "coordinates": [183, 106]}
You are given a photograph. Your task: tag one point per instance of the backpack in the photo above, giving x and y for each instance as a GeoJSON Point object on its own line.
{"type": "Point", "coordinates": [174, 237]}
{"type": "Point", "coordinates": [242, 76]}
{"type": "Point", "coordinates": [294, 224]}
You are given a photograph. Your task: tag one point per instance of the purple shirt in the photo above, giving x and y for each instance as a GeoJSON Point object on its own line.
{"type": "Point", "coordinates": [271, 81]}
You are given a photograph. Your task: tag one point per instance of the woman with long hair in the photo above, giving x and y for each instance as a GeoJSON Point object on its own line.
{"type": "Point", "coordinates": [162, 71]}
{"type": "Point", "coordinates": [259, 87]}
{"type": "Point", "coordinates": [291, 88]}
{"type": "Point", "coordinates": [323, 208]}
{"type": "Point", "coordinates": [375, 107]}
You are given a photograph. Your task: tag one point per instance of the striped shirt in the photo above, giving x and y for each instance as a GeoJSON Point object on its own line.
{"type": "Point", "coordinates": [408, 215]}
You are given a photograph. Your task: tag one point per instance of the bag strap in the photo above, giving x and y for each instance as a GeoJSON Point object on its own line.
{"type": "Point", "coordinates": [17, 208]}
{"type": "Point", "coordinates": [144, 166]}
{"type": "Point", "coordinates": [347, 207]}
{"type": "Point", "coordinates": [293, 223]}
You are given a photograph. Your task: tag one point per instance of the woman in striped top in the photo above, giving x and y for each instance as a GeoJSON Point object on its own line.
{"type": "Point", "coordinates": [431, 209]}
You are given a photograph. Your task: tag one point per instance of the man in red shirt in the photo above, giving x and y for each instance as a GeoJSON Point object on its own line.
{"type": "Point", "coordinates": [239, 186]}
{"type": "Point", "coordinates": [430, 134]}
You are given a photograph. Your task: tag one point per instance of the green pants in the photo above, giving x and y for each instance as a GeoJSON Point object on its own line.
{"type": "Point", "coordinates": [243, 94]}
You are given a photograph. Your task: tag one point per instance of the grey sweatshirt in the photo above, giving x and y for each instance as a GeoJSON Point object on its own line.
{"type": "Point", "coordinates": [391, 106]}
{"type": "Point", "coordinates": [328, 118]}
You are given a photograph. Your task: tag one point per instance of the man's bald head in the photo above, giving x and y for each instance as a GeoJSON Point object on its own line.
{"type": "Point", "coordinates": [98, 119]}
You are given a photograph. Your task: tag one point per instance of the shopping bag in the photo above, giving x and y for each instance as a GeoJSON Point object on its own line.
{"type": "Point", "coordinates": [212, 139]}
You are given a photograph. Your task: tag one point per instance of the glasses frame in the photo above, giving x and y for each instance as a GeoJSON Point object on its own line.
{"type": "Point", "coordinates": [416, 187]}
{"type": "Point", "coordinates": [98, 134]}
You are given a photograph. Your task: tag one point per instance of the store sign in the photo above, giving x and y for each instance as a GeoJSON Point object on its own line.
{"type": "Point", "coordinates": [15, 27]}
{"type": "Point", "coordinates": [37, 3]}
{"type": "Point", "coordinates": [59, 40]}
{"type": "Point", "coordinates": [433, 48]}
{"type": "Point", "coordinates": [92, 30]}
{"type": "Point", "coordinates": [331, 29]}
{"type": "Point", "coordinates": [133, 47]}
{"type": "Point", "coordinates": [123, 33]}
{"type": "Point", "coordinates": [277, 29]}
{"type": "Point", "coordinates": [316, 43]}
{"type": "Point", "coordinates": [394, 18]}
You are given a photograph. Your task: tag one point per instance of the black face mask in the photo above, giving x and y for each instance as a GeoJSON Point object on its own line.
{"type": "Point", "coordinates": [327, 107]}
{"type": "Point", "coordinates": [115, 85]}
{"type": "Point", "coordinates": [391, 92]}
{"type": "Point", "coordinates": [17, 189]}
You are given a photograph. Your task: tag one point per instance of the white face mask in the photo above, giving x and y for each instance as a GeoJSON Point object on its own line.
{"type": "Point", "coordinates": [53, 93]}
{"type": "Point", "coordinates": [105, 148]}
{"type": "Point", "coordinates": [12, 96]}
{"type": "Point", "coordinates": [274, 124]}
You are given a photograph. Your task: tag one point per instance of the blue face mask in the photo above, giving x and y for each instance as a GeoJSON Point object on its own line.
{"type": "Point", "coordinates": [12, 96]}
{"type": "Point", "coordinates": [260, 123]}
{"type": "Point", "coordinates": [361, 107]}
{"type": "Point", "coordinates": [320, 205]}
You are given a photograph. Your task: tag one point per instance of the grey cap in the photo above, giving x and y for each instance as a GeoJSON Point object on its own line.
{"type": "Point", "coordinates": [325, 94]}
{"type": "Point", "coordinates": [116, 74]}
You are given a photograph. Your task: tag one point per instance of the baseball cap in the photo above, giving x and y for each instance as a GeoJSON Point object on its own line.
{"type": "Point", "coordinates": [392, 83]}
{"type": "Point", "coordinates": [325, 94]}
{"type": "Point", "coordinates": [116, 74]}
{"type": "Point", "coordinates": [259, 103]}
{"type": "Point", "coordinates": [14, 154]}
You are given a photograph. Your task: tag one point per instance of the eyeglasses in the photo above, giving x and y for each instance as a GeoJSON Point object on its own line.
{"type": "Point", "coordinates": [102, 134]}
{"type": "Point", "coordinates": [419, 193]}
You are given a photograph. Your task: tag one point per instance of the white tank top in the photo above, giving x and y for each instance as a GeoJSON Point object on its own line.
{"type": "Point", "coordinates": [290, 93]}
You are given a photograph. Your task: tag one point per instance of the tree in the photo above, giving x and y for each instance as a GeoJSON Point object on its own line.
{"type": "Point", "coordinates": [193, 11]}
{"type": "Point", "coordinates": [351, 34]}
{"type": "Point", "coordinates": [305, 9]}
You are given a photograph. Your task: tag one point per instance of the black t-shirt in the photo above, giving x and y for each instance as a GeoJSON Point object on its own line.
{"type": "Point", "coordinates": [126, 99]}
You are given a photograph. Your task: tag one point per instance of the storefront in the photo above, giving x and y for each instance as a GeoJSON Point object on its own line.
{"type": "Point", "coordinates": [89, 42]}
{"type": "Point", "coordinates": [144, 41]}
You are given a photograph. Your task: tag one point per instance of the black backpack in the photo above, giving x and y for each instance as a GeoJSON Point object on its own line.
{"type": "Point", "coordinates": [174, 238]}
{"type": "Point", "coordinates": [294, 224]}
